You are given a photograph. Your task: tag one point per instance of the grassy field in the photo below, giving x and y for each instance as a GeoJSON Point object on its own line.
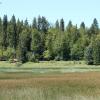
{"type": "Point", "coordinates": [48, 67]}
{"type": "Point", "coordinates": [69, 86]}
{"type": "Point", "coordinates": [45, 64]}
{"type": "Point", "coordinates": [49, 81]}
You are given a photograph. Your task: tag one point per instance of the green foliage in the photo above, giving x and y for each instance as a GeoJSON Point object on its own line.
{"type": "Point", "coordinates": [24, 46]}
{"type": "Point", "coordinates": [94, 29]}
{"type": "Point", "coordinates": [4, 33]}
{"type": "Point", "coordinates": [62, 25]}
{"type": "Point", "coordinates": [43, 41]}
{"type": "Point", "coordinates": [10, 52]}
{"type": "Point", "coordinates": [50, 43]}
{"type": "Point", "coordinates": [7, 54]}
{"type": "Point", "coordinates": [57, 25]}
{"type": "Point", "coordinates": [69, 26]}
{"type": "Point", "coordinates": [37, 44]}
{"type": "Point", "coordinates": [22, 54]}
{"type": "Point", "coordinates": [82, 25]}
{"type": "Point", "coordinates": [34, 24]}
{"type": "Point", "coordinates": [47, 55]}
{"type": "Point", "coordinates": [77, 52]}
{"type": "Point", "coordinates": [12, 35]}
{"type": "Point", "coordinates": [88, 55]}
{"type": "Point", "coordinates": [96, 50]}
{"type": "Point", "coordinates": [31, 57]}
{"type": "Point", "coordinates": [57, 45]}
{"type": "Point", "coordinates": [42, 24]}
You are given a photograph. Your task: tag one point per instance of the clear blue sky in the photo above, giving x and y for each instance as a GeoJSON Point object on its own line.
{"type": "Point", "coordinates": [75, 10]}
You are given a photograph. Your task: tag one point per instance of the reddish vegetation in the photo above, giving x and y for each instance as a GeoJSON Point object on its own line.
{"type": "Point", "coordinates": [74, 79]}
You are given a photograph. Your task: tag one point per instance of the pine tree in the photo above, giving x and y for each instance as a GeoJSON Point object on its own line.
{"type": "Point", "coordinates": [94, 29]}
{"type": "Point", "coordinates": [0, 33]}
{"type": "Point", "coordinates": [44, 25]}
{"type": "Point", "coordinates": [57, 24]}
{"type": "Point", "coordinates": [82, 29]}
{"type": "Point", "coordinates": [96, 50]}
{"type": "Point", "coordinates": [19, 26]}
{"type": "Point", "coordinates": [4, 33]}
{"type": "Point", "coordinates": [39, 23]}
{"type": "Point", "coordinates": [37, 44]}
{"type": "Point", "coordinates": [24, 45]}
{"type": "Point", "coordinates": [69, 26]}
{"type": "Point", "coordinates": [14, 32]}
{"type": "Point", "coordinates": [26, 25]}
{"type": "Point", "coordinates": [88, 55]}
{"type": "Point", "coordinates": [82, 25]}
{"type": "Point", "coordinates": [34, 24]}
{"type": "Point", "coordinates": [62, 26]}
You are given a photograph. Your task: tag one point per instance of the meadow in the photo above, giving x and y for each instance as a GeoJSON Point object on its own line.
{"type": "Point", "coordinates": [22, 83]}
{"type": "Point", "coordinates": [48, 67]}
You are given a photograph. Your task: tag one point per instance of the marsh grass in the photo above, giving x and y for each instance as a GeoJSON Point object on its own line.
{"type": "Point", "coordinates": [70, 86]}
{"type": "Point", "coordinates": [41, 94]}
{"type": "Point", "coordinates": [44, 81]}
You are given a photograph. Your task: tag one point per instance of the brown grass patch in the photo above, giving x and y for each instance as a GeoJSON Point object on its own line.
{"type": "Point", "coordinates": [91, 78]}
{"type": "Point", "coordinates": [70, 86]}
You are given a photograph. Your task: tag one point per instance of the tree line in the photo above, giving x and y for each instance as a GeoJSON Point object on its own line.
{"type": "Point", "coordinates": [42, 41]}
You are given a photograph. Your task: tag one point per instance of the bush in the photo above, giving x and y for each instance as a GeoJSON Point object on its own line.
{"type": "Point", "coordinates": [31, 57]}
{"type": "Point", "coordinates": [22, 54]}
{"type": "Point", "coordinates": [58, 58]}
{"type": "Point", "coordinates": [7, 54]}
{"type": "Point", "coordinates": [46, 55]}
{"type": "Point", "coordinates": [10, 53]}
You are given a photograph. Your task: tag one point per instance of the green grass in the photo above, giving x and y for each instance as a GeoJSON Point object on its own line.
{"type": "Point", "coordinates": [48, 67]}
{"type": "Point", "coordinates": [44, 64]}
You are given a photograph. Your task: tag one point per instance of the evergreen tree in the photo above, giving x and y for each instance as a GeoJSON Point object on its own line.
{"type": "Point", "coordinates": [26, 22]}
{"type": "Point", "coordinates": [40, 41]}
{"type": "Point", "coordinates": [65, 48]}
{"type": "Point", "coordinates": [19, 26]}
{"type": "Point", "coordinates": [88, 55]}
{"type": "Point", "coordinates": [22, 53]}
{"type": "Point", "coordinates": [69, 30]}
{"type": "Point", "coordinates": [39, 23]}
{"type": "Point", "coordinates": [34, 24]}
{"type": "Point", "coordinates": [96, 51]}
{"type": "Point", "coordinates": [82, 30]}
{"type": "Point", "coordinates": [0, 33]}
{"type": "Point", "coordinates": [26, 25]}
{"type": "Point", "coordinates": [62, 26]}
{"type": "Point", "coordinates": [50, 44]}
{"type": "Point", "coordinates": [94, 29]}
{"type": "Point", "coordinates": [23, 46]}
{"type": "Point", "coordinates": [95, 26]}
{"type": "Point", "coordinates": [57, 24]}
{"type": "Point", "coordinates": [44, 25]}
{"type": "Point", "coordinates": [69, 26]}
{"type": "Point", "coordinates": [37, 44]}
{"type": "Point", "coordinates": [75, 35]}
{"type": "Point", "coordinates": [82, 25]}
{"type": "Point", "coordinates": [14, 32]}
{"type": "Point", "coordinates": [4, 33]}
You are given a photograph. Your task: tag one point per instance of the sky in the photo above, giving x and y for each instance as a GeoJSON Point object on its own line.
{"type": "Point", "coordinates": [74, 10]}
